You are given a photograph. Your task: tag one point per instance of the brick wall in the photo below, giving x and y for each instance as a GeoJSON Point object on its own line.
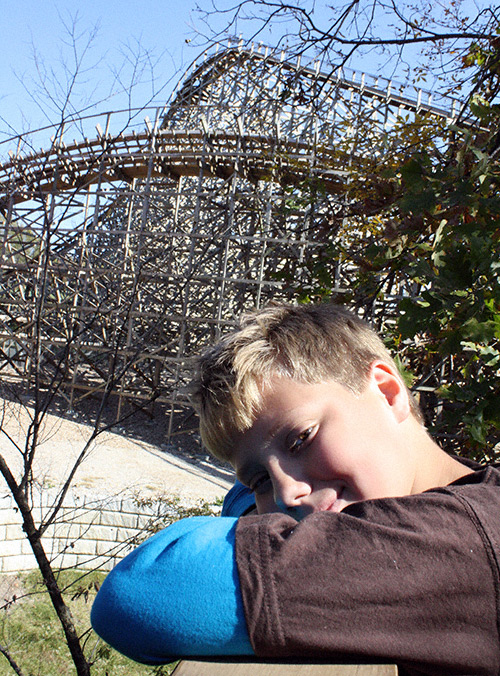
{"type": "Point", "coordinates": [88, 533]}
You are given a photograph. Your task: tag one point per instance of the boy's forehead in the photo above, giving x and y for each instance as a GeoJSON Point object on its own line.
{"type": "Point", "coordinates": [283, 399]}
{"type": "Point", "coordinates": [279, 383]}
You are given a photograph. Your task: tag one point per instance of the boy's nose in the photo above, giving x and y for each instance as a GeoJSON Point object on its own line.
{"type": "Point", "coordinates": [289, 490]}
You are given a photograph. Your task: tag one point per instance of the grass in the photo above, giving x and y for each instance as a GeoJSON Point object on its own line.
{"type": "Point", "coordinates": [31, 632]}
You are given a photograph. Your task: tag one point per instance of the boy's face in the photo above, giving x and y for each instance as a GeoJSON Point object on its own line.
{"type": "Point", "coordinates": [320, 447]}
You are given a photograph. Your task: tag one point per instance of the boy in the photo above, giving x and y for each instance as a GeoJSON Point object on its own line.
{"type": "Point", "coordinates": [370, 542]}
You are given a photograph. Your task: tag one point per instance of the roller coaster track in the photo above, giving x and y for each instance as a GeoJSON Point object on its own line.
{"type": "Point", "coordinates": [179, 150]}
{"type": "Point", "coordinates": [132, 247]}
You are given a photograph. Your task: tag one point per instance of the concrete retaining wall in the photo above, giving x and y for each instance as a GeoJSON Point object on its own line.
{"type": "Point", "coordinates": [88, 533]}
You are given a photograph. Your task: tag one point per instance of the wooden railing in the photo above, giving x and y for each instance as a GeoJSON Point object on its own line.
{"type": "Point", "coordinates": [229, 668]}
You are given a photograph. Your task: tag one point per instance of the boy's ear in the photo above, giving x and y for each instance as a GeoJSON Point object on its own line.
{"type": "Point", "coordinates": [387, 380]}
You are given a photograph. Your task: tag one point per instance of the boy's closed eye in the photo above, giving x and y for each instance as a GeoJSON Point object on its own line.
{"type": "Point", "coordinates": [261, 483]}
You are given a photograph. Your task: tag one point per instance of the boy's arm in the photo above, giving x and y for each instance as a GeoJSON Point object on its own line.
{"type": "Point", "coordinates": [176, 595]}
{"type": "Point", "coordinates": [411, 580]}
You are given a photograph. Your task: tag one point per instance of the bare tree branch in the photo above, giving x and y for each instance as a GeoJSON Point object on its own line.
{"type": "Point", "coordinates": [334, 34]}
{"type": "Point", "coordinates": [13, 664]}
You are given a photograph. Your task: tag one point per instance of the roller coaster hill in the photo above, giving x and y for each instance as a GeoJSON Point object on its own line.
{"type": "Point", "coordinates": [129, 248]}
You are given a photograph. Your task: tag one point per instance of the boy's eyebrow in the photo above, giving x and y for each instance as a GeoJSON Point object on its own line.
{"type": "Point", "coordinates": [287, 419]}
{"type": "Point", "coordinates": [275, 431]}
{"type": "Point", "coordinates": [285, 425]}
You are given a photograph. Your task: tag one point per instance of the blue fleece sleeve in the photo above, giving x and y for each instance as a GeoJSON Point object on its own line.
{"type": "Point", "coordinates": [238, 501]}
{"type": "Point", "coordinates": [176, 595]}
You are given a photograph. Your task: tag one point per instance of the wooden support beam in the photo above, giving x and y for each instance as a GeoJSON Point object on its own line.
{"type": "Point", "coordinates": [209, 668]}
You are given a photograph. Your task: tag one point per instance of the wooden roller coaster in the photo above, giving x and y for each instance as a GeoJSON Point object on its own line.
{"type": "Point", "coordinates": [128, 249]}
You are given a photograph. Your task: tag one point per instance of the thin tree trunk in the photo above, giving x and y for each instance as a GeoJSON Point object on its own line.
{"type": "Point", "coordinates": [34, 537]}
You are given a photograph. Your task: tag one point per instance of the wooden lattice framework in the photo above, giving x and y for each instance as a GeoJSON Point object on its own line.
{"type": "Point", "coordinates": [126, 251]}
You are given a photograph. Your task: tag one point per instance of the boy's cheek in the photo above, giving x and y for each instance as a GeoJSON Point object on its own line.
{"type": "Point", "coordinates": [265, 503]}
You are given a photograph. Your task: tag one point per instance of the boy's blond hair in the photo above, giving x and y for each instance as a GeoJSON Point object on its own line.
{"type": "Point", "coordinates": [308, 343]}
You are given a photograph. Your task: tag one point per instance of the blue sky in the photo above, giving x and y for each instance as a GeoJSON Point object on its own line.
{"type": "Point", "coordinates": [160, 26]}
{"type": "Point", "coordinates": [165, 29]}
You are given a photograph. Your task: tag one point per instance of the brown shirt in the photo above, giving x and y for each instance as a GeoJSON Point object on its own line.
{"type": "Point", "coordinates": [411, 580]}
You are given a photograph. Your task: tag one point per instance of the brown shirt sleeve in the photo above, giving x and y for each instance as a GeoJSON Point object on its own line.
{"type": "Point", "coordinates": [409, 580]}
